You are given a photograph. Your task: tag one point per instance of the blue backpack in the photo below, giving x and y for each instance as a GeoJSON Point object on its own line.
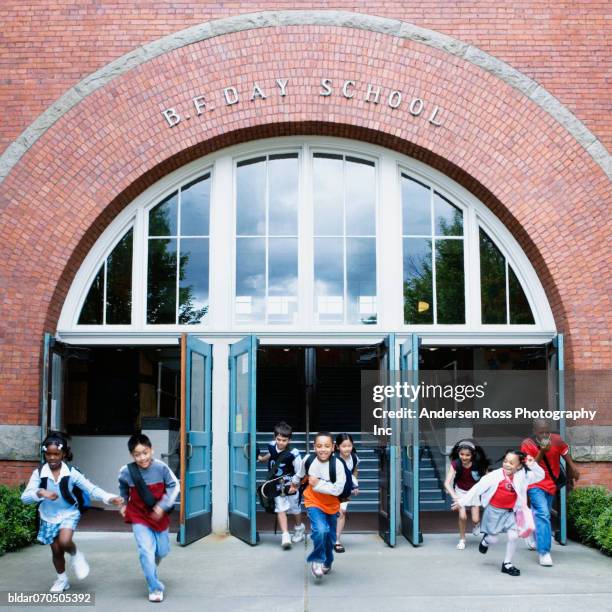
{"type": "Point", "coordinates": [348, 484]}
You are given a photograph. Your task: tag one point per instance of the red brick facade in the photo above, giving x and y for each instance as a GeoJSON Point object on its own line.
{"type": "Point", "coordinates": [493, 140]}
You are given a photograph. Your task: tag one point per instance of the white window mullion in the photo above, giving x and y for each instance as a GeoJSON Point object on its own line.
{"type": "Point", "coordinates": [472, 269]}
{"type": "Point", "coordinates": [306, 298]}
{"type": "Point", "coordinates": [140, 245]}
{"type": "Point", "coordinates": [104, 283]}
{"type": "Point", "coordinates": [267, 240]}
{"type": "Point", "coordinates": [433, 258]}
{"type": "Point", "coordinates": [507, 291]}
{"type": "Point", "coordinates": [344, 254]}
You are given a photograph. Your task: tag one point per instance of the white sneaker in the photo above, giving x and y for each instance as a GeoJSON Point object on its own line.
{"type": "Point", "coordinates": [80, 565]}
{"type": "Point", "coordinates": [298, 534]}
{"type": "Point", "coordinates": [156, 596]}
{"type": "Point", "coordinates": [60, 585]}
{"type": "Point", "coordinates": [546, 560]}
{"type": "Point", "coordinates": [530, 543]}
{"type": "Point", "coordinates": [476, 530]}
{"type": "Point", "coordinates": [461, 545]}
{"type": "Point", "coordinates": [317, 570]}
{"type": "Point", "coordinates": [286, 540]}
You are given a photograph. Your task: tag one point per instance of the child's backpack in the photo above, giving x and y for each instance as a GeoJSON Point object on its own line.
{"type": "Point", "coordinates": [348, 485]}
{"type": "Point", "coordinates": [141, 486]}
{"type": "Point", "coordinates": [77, 496]}
{"type": "Point", "coordinates": [458, 467]}
{"type": "Point", "coordinates": [271, 487]}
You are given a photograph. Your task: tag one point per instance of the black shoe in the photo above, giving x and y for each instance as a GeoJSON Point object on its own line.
{"type": "Point", "coordinates": [508, 568]}
{"type": "Point", "coordinates": [481, 547]}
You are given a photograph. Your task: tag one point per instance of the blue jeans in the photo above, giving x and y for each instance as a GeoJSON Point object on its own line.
{"type": "Point", "coordinates": [541, 504]}
{"type": "Point", "coordinates": [323, 536]}
{"type": "Point", "coordinates": [152, 546]}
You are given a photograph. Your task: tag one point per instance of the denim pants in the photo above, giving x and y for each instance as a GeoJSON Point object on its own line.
{"type": "Point", "coordinates": [323, 536]}
{"type": "Point", "coordinates": [152, 546]}
{"type": "Point", "coordinates": [541, 504]}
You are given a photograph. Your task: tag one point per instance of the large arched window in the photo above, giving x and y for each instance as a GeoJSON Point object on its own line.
{"type": "Point", "coordinates": [308, 234]}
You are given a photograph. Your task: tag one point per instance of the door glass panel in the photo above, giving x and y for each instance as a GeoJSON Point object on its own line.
{"type": "Point", "coordinates": [197, 392]}
{"type": "Point", "coordinates": [282, 280]}
{"type": "Point", "coordinates": [242, 394]}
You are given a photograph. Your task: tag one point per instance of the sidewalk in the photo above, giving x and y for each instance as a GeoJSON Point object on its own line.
{"type": "Point", "coordinates": [224, 574]}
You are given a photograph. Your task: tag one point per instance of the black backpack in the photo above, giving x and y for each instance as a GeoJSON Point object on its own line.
{"type": "Point", "coordinates": [77, 496]}
{"type": "Point", "coordinates": [348, 485]}
{"type": "Point", "coordinates": [271, 488]}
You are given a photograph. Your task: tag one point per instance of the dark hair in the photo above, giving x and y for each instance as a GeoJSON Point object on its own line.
{"type": "Point", "coordinates": [479, 458]}
{"type": "Point", "coordinates": [137, 439]}
{"type": "Point", "coordinates": [324, 434]}
{"type": "Point", "coordinates": [283, 429]}
{"type": "Point", "coordinates": [59, 439]}
{"type": "Point", "coordinates": [519, 453]}
{"type": "Point", "coordinates": [342, 437]}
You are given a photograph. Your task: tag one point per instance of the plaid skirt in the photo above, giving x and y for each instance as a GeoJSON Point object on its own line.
{"type": "Point", "coordinates": [47, 532]}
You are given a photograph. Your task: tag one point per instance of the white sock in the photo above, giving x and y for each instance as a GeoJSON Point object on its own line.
{"type": "Point", "coordinates": [511, 546]}
{"type": "Point", "coordinates": [491, 539]}
{"type": "Point", "coordinates": [62, 576]}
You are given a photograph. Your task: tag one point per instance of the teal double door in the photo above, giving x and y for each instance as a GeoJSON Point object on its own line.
{"type": "Point", "coordinates": [242, 447]}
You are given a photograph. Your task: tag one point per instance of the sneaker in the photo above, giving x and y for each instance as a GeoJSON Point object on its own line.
{"type": "Point", "coordinates": [80, 565]}
{"type": "Point", "coordinates": [476, 530]}
{"type": "Point", "coordinates": [298, 534]}
{"type": "Point", "coordinates": [317, 570]}
{"type": "Point", "coordinates": [326, 569]}
{"type": "Point", "coordinates": [482, 547]}
{"type": "Point", "coordinates": [286, 540]}
{"type": "Point", "coordinates": [156, 596]}
{"type": "Point", "coordinates": [546, 560]}
{"type": "Point", "coordinates": [508, 568]}
{"type": "Point", "coordinates": [530, 543]}
{"type": "Point", "coordinates": [461, 545]}
{"type": "Point", "coordinates": [60, 585]}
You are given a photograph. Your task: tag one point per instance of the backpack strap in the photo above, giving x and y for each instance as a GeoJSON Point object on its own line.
{"type": "Point", "coordinates": [140, 485]}
{"type": "Point", "coordinates": [43, 479]}
{"type": "Point", "coordinates": [65, 491]}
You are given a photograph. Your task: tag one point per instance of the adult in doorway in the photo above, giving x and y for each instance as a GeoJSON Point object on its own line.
{"type": "Point", "coordinates": [546, 448]}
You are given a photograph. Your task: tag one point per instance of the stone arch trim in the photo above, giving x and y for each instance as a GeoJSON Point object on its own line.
{"type": "Point", "coordinates": [392, 27]}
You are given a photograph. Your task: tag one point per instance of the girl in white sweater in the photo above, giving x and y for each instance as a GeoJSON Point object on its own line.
{"type": "Point", "coordinates": [502, 492]}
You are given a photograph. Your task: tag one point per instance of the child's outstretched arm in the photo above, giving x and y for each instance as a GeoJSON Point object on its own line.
{"type": "Point", "coordinates": [94, 491]}
{"type": "Point", "coordinates": [535, 473]}
{"type": "Point", "coordinates": [332, 488]}
{"type": "Point", "coordinates": [450, 477]}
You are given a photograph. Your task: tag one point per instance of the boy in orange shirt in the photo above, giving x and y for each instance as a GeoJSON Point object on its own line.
{"type": "Point", "coordinates": [321, 501]}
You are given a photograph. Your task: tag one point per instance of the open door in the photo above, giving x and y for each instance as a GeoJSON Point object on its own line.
{"type": "Point", "coordinates": [242, 439]}
{"type": "Point", "coordinates": [556, 387]}
{"type": "Point", "coordinates": [196, 439]}
{"type": "Point", "coordinates": [409, 446]}
{"type": "Point", "coordinates": [387, 521]}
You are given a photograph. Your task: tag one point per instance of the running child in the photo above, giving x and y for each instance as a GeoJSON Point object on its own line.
{"type": "Point", "coordinates": [286, 461]}
{"type": "Point", "coordinates": [345, 449]}
{"type": "Point", "coordinates": [150, 488]}
{"type": "Point", "coordinates": [58, 488]}
{"type": "Point", "coordinates": [502, 493]}
{"type": "Point", "coordinates": [468, 464]}
{"type": "Point", "coordinates": [325, 476]}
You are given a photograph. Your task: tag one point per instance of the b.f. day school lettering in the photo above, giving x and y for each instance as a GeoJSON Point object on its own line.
{"type": "Point", "coordinates": [368, 93]}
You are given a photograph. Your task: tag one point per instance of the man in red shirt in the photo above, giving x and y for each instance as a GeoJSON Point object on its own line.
{"type": "Point", "coordinates": [546, 448]}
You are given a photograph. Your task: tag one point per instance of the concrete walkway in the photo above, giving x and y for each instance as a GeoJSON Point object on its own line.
{"type": "Point", "coordinates": [224, 574]}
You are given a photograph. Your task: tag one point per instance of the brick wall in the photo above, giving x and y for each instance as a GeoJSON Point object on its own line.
{"type": "Point", "coordinates": [16, 472]}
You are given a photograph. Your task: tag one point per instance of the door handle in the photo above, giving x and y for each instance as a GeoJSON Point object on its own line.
{"type": "Point", "coordinates": [409, 452]}
{"type": "Point", "coordinates": [246, 449]}
{"type": "Point", "coordinates": [189, 450]}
